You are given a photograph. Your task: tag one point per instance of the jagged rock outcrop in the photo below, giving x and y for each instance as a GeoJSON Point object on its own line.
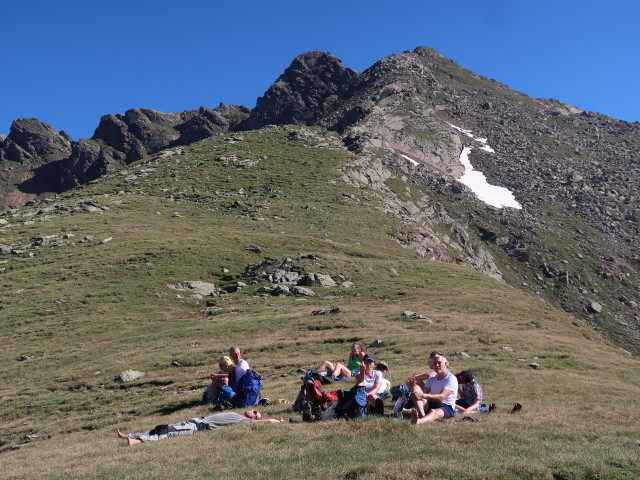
{"type": "Point", "coordinates": [55, 163]}
{"type": "Point", "coordinates": [140, 132]}
{"type": "Point", "coordinates": [303, 92]}
{"type": "Point", "coordinates": [31, 141]}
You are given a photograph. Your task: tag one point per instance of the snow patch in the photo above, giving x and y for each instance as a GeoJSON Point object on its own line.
{"type": "Point", "coordinates": [409, 158]}
{"type": "Point", "coordinates": [490, 194]}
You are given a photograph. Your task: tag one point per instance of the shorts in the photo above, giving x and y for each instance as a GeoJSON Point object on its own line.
{"type": "Point", "coordinates": [446, 409]}
{"type": "Point", "coordinates": [463, 403]}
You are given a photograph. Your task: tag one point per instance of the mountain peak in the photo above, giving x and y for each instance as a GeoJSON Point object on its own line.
{"type": "Point", "coordinates": [301, 93]}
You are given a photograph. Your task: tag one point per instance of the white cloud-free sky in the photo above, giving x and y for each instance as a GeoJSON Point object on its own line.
{"type": "Point", "coordinates": [71, 61]}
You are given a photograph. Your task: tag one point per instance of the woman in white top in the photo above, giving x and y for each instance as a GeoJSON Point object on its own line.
{"type": "Point", "coordinates": [369, 378]}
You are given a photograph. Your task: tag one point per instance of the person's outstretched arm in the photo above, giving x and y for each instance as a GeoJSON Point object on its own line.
{"type": "Point", "coordinates": [269, 420]}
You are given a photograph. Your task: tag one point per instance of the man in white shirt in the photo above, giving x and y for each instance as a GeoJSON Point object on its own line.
{"type": "Point", "coordinates": [240, 368]}
{"type": "Point", "coordinates": [439, 393]}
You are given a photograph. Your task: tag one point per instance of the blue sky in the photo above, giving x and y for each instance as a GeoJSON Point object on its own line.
{"type": "Point", "coordinates": [69, 62]}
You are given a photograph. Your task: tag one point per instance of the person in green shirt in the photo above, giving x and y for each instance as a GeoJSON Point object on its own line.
{"type": "Point", "coordinates": [353, 363]}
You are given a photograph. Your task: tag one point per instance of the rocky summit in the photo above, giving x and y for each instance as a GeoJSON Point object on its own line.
{"type": "Point", "coordinates": [408, 120]}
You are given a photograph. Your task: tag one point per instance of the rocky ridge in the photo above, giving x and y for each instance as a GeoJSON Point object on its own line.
{"type": "Point", "coordinates": [35, 159]}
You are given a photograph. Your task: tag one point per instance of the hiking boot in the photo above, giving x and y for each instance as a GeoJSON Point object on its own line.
{"type": "Point", "coordinates": [516, 408]}
{"type": "Point", "coordinates": [492, 408]}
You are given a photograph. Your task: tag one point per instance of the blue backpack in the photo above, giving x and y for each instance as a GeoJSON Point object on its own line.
{"type": "Point", "coordinates": [249, 391]}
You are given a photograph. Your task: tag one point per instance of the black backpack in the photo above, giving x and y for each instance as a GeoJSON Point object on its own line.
{"type": "Point", "coordinates": [352, 403]}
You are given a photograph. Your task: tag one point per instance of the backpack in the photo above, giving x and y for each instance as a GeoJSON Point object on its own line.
{"type": "Point", "coordinates": [312, 399]}
{"type": "Point", "coordinates": [249, 394]}
{"type": "Point", "coordinates": [399, 391]}
{"type": "Point", "coordinates": [352, 404]}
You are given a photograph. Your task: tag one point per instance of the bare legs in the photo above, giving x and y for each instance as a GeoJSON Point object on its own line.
{"type": "Point", "coordinates": [130, 441]}
{"type": "Point", "coordinates": [326, 366]}
{"type": "Point", "coordinates": [417, 397]}
{"type": "Point", "coordinates": [431, 416]}
{"type": "Point", "coordinates": [338, 369]}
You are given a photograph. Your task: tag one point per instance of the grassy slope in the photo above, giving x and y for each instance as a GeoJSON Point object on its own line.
{"type": "Point", "coordinates": [579, 411]}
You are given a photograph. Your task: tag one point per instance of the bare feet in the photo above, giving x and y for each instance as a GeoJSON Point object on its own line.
{"type": "Point", "coordinates": [414, 416]}
{"type": "Point", "coordinates": [130, 441]}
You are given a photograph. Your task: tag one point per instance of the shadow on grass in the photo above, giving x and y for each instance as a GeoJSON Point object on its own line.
{"type": "Point", "coordinates": [178, 406]}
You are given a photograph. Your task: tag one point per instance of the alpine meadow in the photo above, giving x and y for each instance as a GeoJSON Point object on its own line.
{"type": "Point", "coordinates": [167, 238]}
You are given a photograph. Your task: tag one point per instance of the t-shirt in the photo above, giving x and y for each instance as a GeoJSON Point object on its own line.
{"type": "Point", "coordinates": [369, 382]}
{"type": "Point", "coordinates": [236, 376]}
{"type": "Point", "coordinates": [385, 387]}
{"type": "Point", "coordinates": [470, 392]}
{"type": "Point", "coordinates": [225, 419]}
{"type": "Point", "coordinates": [354, 365]}
{"type": "Point", "coordinates": [450, 382]}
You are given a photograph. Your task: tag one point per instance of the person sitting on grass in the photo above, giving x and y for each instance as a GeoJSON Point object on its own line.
{"type": "Point", "coordinates": [439, 393]}
{"type": "Point", "coordinates": [385, 388]}
{"type": "Point", "coordinates": [422, 377]}
{"type": "Point", "coordinates": [469, 393]}
{"type": "Point", "coordinates": [339, 370]}
{"type": "Point", "coordinates": [239, 369]}
{"type": "Point", "coordinates": [371, 379]}
{"type": "Point", "coordinates": [195, 425]}
{"type": "Point", "coordinates": [219, 380]}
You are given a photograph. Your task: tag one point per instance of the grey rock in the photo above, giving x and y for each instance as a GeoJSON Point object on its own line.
{"type": "Point", "coordinates": [317, 280]}
{"type": "Point", "coordinates": [280, 291]}
{"type": "Point", "coordinates": [128, 376]}
{"type": "Point", "coordinates": [594, 306]}
{"type": "Point", "coordinates": [326, 311]}
{"type": "Point", "coordinates": [533, 365]}
{"type": "Point", "coordinates": [416, 316]}
{"type": "Point", "coordinates": [195, 287]}
{"type": "Point", "coordinates": [461, 354]}
{"type": "Point", "coordinates": [307, 292]}
{"type": "Point", "coordinates": [375, 344]}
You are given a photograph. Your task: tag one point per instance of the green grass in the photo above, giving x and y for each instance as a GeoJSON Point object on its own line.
{"type": "Point", "coordinates": [86, 311]}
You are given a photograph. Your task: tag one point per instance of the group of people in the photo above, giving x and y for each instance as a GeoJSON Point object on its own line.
{"type": "Point", "coordinates": [435, 394]}
{"type": "Point", "coordinates": [225, 384]}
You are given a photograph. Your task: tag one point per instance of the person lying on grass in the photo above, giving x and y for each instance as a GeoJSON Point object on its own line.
{"type": "Point", "coordinates": [195, 425]}
{"type": "Point", "coordinates": [439, 393]}
{"type": "Point", "coordinates": [469, 393]}
{"type": "Point", "coordinates": [339, 370]}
